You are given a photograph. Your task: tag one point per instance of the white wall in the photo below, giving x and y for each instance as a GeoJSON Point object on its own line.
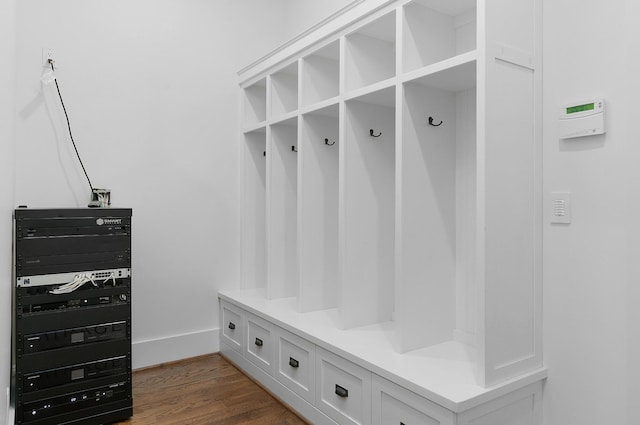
{"type": "Point", "coordinates": [591, 274]}
{"type": "Point", "coordinates": [303, 14]}
{"type": "Point", "coordinates": [7, 53]}
{"type": "Point", "coordinates": [152, 94]}
{"type": "Point", "coordinates": [151, 90]}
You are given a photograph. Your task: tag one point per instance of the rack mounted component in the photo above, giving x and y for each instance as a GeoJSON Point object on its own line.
{"type": "Point", "coordinates": [71, 332]}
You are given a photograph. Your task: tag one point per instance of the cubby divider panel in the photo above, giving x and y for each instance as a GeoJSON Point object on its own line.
{"type": "Point", "coordinates": [282, 262]}
{"type": "Point", "coordinates": [321, 74]}
{"type": "Point", "coordinates": [435, 30]}
{"type": "Point", "coordinates": [367, 271]}
{"type": "Point", "coordinates": [371, 53]}
{"type": "Point", "coordinates": [254, 210]}
{"type": "Point", "coordinates": [318, 238]}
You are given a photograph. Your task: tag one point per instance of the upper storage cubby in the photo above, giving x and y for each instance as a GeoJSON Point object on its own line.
{"type": "Point", "coordinates": [255, 103]}
{"type": "Point", "coordinates": [435, 30]}
{"type": "Point", "coordinates": [371, 53]}
{"type": "Point", "coordinates": [321, 74]}
{"type": "Point", "coordinates": [284, 91]}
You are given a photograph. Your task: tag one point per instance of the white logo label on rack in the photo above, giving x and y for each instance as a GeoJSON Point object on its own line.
{"type": "Point", "coordinates": [101, 221]}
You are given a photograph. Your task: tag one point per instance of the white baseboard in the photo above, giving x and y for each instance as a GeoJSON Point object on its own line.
{"type": "Point", "coordinates": [168, 349]}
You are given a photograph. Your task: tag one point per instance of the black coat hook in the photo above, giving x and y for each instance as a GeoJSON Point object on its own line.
{"type": "Point", "coordinates": [373, 135]}
{"type": "Point", "coordinates": [434, 125]}
{"type": "Point", "coordinates": [293, 148]}
{"type": "Point", "coordinates": [326, 142]}
{"type": "Point", "coordinates": [264, 153]}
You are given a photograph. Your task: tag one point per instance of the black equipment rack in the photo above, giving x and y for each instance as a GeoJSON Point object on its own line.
{"type": "Point", "coordinates": [71, 316]}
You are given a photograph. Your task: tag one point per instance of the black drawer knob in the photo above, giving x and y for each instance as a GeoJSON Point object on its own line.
{"type": "Point", "coordinates": [258, 342]}
{"type": "Point", "coordinates": [232, 325]}
{"type": "Point", "coordinates": [293, 362]}
{"type": "Point", "coordinates": [342, 392]}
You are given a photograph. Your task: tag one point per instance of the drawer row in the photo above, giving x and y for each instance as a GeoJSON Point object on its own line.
{"type": "Point", "coordinates": [337, 387]}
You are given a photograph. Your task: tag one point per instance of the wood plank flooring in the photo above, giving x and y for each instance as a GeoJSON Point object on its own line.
{"type": "Point", "coordinates": [205, 390]}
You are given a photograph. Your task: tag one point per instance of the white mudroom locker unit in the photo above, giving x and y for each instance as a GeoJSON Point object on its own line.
{"type": "Point", "coordinates": [390, 167]}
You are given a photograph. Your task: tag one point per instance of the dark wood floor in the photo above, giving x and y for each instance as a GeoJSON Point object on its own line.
{"type": "Point", "coordinates": [205, 390]}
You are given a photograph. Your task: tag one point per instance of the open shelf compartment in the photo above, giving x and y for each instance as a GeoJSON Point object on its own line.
{"type": "Point", "coordinates": [284, 90]}
{"type": "Point", "coordinates": [318, 201]}
{"type": "Point", "coordinates": [371, 53]}
{"type": "Point", "coordinates": [435, 288]}
{"type": "Point", "coordinates": [435, 30]}
{"type": "Point", "coordinates": [367, 204]}
{"type": "Point", "coordinates": [255, 103]}
{"type": "Point", "coordinates": [254, 269]}
{"type": "Point", "coordinates": [321, 74]}
{"type": "Point", "coordinates": [282, 216]}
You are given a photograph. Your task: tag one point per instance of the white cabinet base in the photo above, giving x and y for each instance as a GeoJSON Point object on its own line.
{"type": "Point", "coordinates": [377, 393]}
{"type": "Point", "coordinates": [282, 393]}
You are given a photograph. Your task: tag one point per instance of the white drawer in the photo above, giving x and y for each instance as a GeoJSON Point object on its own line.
{"type": "Point", "coordinates": [232, 326]}
{"type": "Point", "coordinates": [260, 343]}
{"type": "Point", "coordinates": [394, 405]}
{"type": "Point", "coordinates": [343, 389]}
{"type": "Point", "coordinates": [295, 364]}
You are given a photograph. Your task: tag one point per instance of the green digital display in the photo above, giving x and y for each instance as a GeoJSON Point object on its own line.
{"type": "Point", "coordinates": [580, 108]}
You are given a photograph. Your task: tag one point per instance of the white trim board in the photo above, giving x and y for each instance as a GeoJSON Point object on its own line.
{"type": "Point", "coordinates": [168, 349]}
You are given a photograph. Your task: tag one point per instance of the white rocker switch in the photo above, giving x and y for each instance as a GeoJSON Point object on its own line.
{"type": "Point", "coordinates": [561, 207]}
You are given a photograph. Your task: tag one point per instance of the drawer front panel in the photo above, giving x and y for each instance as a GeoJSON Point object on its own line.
{"type": "Point", "coordinates": [394, 405]}
{"type": "Point", "coordinates": [232, 326]}
{"type": "Point", "coordinates": [343, 389]}
{"type": "Point", "coordinates": [296, 365]}
{"type": "Point", "coordinates": [260, 343]}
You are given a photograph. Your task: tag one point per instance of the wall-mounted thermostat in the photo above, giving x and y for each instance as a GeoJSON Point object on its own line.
{"type": "Point", "coordinates": [582, 119]}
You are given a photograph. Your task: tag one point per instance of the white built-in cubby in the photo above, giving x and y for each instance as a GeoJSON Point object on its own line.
{"type": "Point", "coordinates": [370, 52]}
{"type": "Point", "coordinates": [435, 290]}
{"type": "Point", "coordinates": [284, 91]}
{"type": "Point", "coordinates": [390, 216]}
{"type": "Point", "coordinates": [367, 213]}
{"type": "Point", "coordinates": [318, 209]}
{"type": "Point", "coordinates": [321, 74]}
{"type": "Point", "coordinates": [255, 104]}
{"type": "Point", "coordinates": [431, 35]}
{"type": "Point", "coordinates": [254, 183]}
{"type": "Point", "coordinates": [282, 207]}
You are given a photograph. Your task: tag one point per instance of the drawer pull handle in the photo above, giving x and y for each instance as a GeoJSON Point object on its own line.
{"type": "Point", "coordinates": [293, 362]}
{"type": "Point", "coordinates": [342, 392]}
{"type": "Point", "coordinates": [258, 342]}
{"type": "Point", "coordinates": [232, 325]}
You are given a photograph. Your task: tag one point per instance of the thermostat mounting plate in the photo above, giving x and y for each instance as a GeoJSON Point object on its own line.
{"type": "Point", "coordinates": [580, 119]}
